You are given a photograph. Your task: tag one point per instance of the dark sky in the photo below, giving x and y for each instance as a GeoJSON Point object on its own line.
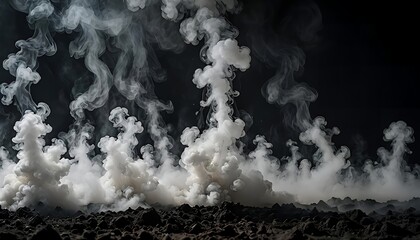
{"type": "Point", "coordinates": [364, 65]}
{"type": "Point", "coordinates": [366, 68]}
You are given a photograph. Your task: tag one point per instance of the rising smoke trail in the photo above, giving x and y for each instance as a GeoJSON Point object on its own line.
{"type": "Point", "coordinates": [23, 64]}
{"type": "Point", "coordinates": [73, 173]}
{"type": "Point", "coordinates": [286, 55]}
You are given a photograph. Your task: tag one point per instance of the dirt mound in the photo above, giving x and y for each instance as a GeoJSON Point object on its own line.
{"type": "Point", "coordinates": [226, 221]}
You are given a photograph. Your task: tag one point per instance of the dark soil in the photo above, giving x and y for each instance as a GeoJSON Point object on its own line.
{"type": "Point", "coordinates": [392, 220]}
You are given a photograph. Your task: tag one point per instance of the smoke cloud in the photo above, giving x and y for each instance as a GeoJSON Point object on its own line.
{"type": "Point", "coordinates": [117, 41]}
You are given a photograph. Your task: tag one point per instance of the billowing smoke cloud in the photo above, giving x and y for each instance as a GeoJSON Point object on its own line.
{"type": "Point", "coordinates": [122, 172]}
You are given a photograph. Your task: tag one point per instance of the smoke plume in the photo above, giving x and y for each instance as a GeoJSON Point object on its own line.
{"type": "Point", "coordinates": [117, 41]}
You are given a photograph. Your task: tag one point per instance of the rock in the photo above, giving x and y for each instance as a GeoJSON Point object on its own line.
{"type": "Point", "coordinates": [123, 221]}
{"type": "Point", "coordinates": [93, 223]}
{"type": "Point", "coordinates": [18, 224]}
{"type": "Point", "coordinates": [77, 214]}
{"type": "Point", "coordinates": [262, 229]}
{"type": "Point", "coordinates": [65, 236]}
{"type": "Point", "coordinates": [415, 228]}
{"type": "Point", "coordinates": [103, 225]}
{"type": "Point", "coordinates": [128, 228]}
{"type": "Point", "coordinates": [355, 215]}
{"type": "Point", "coordinates": [166, 237]}
{"type": "Point", "coordinates": [149, 217]}
{"type": "Point", "coordinates": [81, 217]}
{"type": "Point", "coordinates": [185, 238]}
{"type": "Point", "coordinates": [225, 216]}
{"type": "Point", "coordinates": [228, 231]}
{"type": "Point", "coordinates": [127, 237]}
{"type": "Point", "coordinates": [78, 228]}
{"type": "Point", "coordinates": [294, 234]}
{"type": "Point", "coordinates": [376, 226]}
{"type": "Point", "coordinates": [314, 212]}
{"type": "Point", "coordinates": [394, 230]}
{"type": "Point", "coordinates": [117, 232]}
{"type": "Point", "coordinates": [67, 227]}
{"type": "Point", "coordinates": [205, 223]}
{"type": "Point", "coordinates": [331, 222]}
{"type": "Point", "coordinates": [242, 235]}
{"type": "Point", "coordinates": [36, 220]}
{"type": "Point", "coordinates": [310, 229]}
{"type": "Point", "coordinates": [4, 214]}
{"type": "Point", "coordinates": [144, 235]}
{"type": "Point", "coordinates": [47, 232]}
{"type": "Point", "coordinates": [185, 208]}
{"type": "Point", "coordinates": [172, 228]}
{"type": "Point", "coordinates": [24, 212]}
{"type": "Point", "coordinates": [8, 236]}
{"type": "Point", "coordinates": [105, 236]}
{"type": "Point", "coordinates": [347, 225]}
{"type": "Point", "coordinates": [323, 206]}
{"type": "Point", "coordinates": [225, 222]}
{"type": "Point", "coordinates": [410, 210]}
{"type": "Point", "coordinates": [276, 206]}
{"type": "Point", "coordinates": [130, 210]}
{"type": "Point", "coordinates": [89, 235]}
{"type": "Point", "coordinates": [373, 214]}
{"type": "Point", "coordinates": [366, 221]}
{"type": "Point", "coordinates": [227, 206]}
{"type": "Point", "coordinates": [288, 211]}
{"type": "Point", "coordinates": [347, 207]}
{"type": "Point", "coordinates": [196, 228]}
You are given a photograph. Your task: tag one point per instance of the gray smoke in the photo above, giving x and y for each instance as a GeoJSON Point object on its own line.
{"type": "Point", "coordinates": [23, 64]}
{"type": "Point", "coordinates": [282, 50]}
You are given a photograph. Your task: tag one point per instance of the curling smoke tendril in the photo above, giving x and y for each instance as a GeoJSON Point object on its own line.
{"type": "Point", "coordinates": [213, 167]}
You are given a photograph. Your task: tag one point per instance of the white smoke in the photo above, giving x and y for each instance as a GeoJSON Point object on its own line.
{"type": "Point", "coordinates": [213, 166]}
{"type": "Point", "coordinates": [23, 64]}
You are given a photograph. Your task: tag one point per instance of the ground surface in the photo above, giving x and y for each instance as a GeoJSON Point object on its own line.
{"type": "Point", "coordinates": [334, 219]}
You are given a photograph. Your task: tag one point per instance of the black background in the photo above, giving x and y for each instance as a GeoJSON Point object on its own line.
{"type": "Point", "coordinates": [364, 66]}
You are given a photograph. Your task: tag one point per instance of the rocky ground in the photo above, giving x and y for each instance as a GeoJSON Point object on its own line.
{"type": "Point", "coordinates": [334, 219]}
